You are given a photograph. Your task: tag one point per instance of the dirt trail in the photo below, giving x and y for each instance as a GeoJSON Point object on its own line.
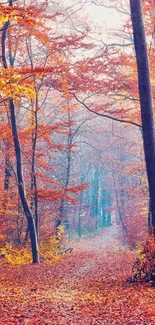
{"type": "Point", "coordinates": [107, 239]}
{"type": "Point", "coordinates": [87, 287]}
{"type": "Point", "coordinates": [97, 245]}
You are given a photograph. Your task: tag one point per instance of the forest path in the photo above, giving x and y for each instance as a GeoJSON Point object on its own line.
{"type": "Point", "coordinates": [87, 287]}
{"type": "Point", "coordinates": [106, 239]}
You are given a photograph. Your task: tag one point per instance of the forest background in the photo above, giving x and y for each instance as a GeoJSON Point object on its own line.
{"type": "Point", "coordinates": [77, 152]}
{"type": "Point", "coordinates": [71, 145]}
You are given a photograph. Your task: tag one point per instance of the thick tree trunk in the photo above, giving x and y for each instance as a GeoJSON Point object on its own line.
{"type": "Point", "coordinates": [145, 100]}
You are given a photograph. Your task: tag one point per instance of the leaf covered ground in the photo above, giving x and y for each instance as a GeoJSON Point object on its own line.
{"type": "Point", "coordinates": [87, 287]}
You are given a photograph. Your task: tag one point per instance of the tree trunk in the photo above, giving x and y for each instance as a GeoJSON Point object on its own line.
{"type": "Point", "coordinates": [124, 228]}
{"type": "Point", "coordinates": [27, 211]}
{"type": "Point", "coordinates": [33, 174]}
{"type": "Point", "coordinates": [145, 100]}
{"type": "Point", "coordinates": [68, 169]}
{"type": "Point", "coordinates": [79, 218]}
{"type": "Point", "coordinates": [21, 189]}
{"type": "Point", "coordinates": [7, 175]}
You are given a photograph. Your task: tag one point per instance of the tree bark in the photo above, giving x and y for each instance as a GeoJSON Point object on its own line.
{"type": "Point", "coordinates": [21, 188]}
{"type": "Point", "coordinates": [147, 114]}
{"type": "Point", "coordinates": [33, 174]}
{"type": "Point", "coordinates": [68, 169]}
{"type": "Point", "coordinates": [27, 211]}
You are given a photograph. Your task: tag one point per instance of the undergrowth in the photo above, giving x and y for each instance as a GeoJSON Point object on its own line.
{"type": "Point", "coordinates": [144, 266]}
{"type": "Point", "coordinates": [50, 252]}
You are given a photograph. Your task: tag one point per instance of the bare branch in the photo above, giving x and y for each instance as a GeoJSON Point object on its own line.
{"type": "Point", "coordinates": [106, 115]}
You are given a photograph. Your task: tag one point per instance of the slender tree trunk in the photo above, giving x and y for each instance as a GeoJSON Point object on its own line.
{"type": "Point", "coordinates": [61, 209]}
{"type": "Point", "coordinates": [79, 217]}
{"type": "Point", "coordinates": [147, 114]}
{"type": "Point", "coordinates": [68, 169]}
{"type": "Point", "coordinates": [21, 188]}
{"type": "Point", "coordinates": [27, 211]}
{"type": "Point", "coordinates": [7, 175]}
{"type": "Point", "coordinates": [125, 231]}
{"type": "Point", "coordinates": [61, 214]}
{"type": "Point", "coordinates": [33, 174]}
{"type": "Point", "coordinates": [7, 167]}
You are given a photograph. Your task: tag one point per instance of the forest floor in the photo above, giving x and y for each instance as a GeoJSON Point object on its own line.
{"type": "Point", "coordinates": [87, 287]}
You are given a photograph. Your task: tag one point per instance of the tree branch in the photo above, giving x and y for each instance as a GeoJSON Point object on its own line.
{"type": "Point", "coordinates": [106, 115]}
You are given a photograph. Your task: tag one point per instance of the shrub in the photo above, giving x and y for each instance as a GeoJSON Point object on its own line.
{"type": "Point", "coordinates": [50, 251]}
{"type": "Point", "coordinates": [144, 267]}
{"type": "Point", "coordinates": [16, 255]}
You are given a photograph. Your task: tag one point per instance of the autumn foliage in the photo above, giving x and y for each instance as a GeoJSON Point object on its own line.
{"type": "Point", "coordinates": [87, 286]}
{"type": "Point", "coordinates": [24, 84]}
{"type": "Point", "coordinates": [74, 196]}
